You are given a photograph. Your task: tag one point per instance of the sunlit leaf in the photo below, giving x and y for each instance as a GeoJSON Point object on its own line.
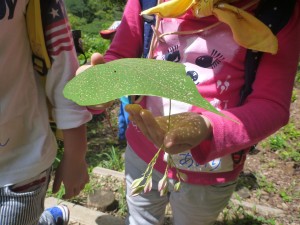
{"type": "Point", "coordinates": [135, 76]}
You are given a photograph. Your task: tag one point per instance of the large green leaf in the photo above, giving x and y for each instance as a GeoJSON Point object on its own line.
{"type": "Point", "coordinates": [135, 76]}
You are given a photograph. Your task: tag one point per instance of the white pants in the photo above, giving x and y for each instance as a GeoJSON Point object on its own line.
{"type": "Point", "coordinates": [191, 205]}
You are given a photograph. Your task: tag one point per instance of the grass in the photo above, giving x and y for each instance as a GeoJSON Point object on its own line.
{"type": "Point", "coordinates": [112, 159]}
{"type": "Point", "coordinates": [238, 215]}
{"type": "Point", "coordinates": [285, 142]}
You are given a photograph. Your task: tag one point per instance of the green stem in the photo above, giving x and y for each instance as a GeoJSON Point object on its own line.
{"type": "Point", "coordinates": [174, 165]}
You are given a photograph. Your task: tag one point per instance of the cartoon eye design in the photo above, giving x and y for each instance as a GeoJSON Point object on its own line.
{"type": "Point", "coordinates": [173, 54]}
{"type": "Point", "coordinates": [173, 57]}
{"type": "Point", "coordinates": [194, 75]}
{"type": "Point", "coordinates": [212, 60]}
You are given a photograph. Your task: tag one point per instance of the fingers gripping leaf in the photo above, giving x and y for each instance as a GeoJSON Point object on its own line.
{"type": "Point", "coordinates": [105, 82]}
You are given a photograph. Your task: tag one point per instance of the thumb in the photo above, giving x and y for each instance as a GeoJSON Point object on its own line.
{"type": "Point", "coordinates": [97, 58]}
{"type": "Point", "coordinates": [82, 68]}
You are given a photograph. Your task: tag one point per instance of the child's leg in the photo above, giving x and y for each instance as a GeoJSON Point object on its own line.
{"type": "Point", "coordinates": [201, 205]}
{"type": "Point", "coordinates": [23, 204]}
{"type": "Point", "coordinates": [145, 209]}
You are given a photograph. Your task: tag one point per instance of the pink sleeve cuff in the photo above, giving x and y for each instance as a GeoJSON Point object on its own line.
{"type": "Point", "coordinates": [95, 112]}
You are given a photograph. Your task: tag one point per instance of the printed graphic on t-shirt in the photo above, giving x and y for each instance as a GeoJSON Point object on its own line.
{"type": "Point", "coordinates": [172, 55]}
{"type": "Point", "coordinates": [185, 161]}
{"type": "Point", "coordinates": [208, 62]}
{"type": "Point", "coordinates": [58, 35]}
{"type": "Point", "coordinates": [7, 9]}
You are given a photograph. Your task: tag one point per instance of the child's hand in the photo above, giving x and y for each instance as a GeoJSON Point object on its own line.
{"type": "Point", "coordinates": [186, 130]}
{"type": "Point", "coordinates": [96, 59]}
{"type": "Point", "coordinates": [73, 174]}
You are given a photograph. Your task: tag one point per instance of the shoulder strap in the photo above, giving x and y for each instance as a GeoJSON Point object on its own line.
{"type": "Point", "coordinates": [40, 57]}
{"type": "Point", "coordinates": [148, 22]}
{"type": "Point", "coordinates": [76, 34]}
{"type": "Point", "coordinates": [275, 14]}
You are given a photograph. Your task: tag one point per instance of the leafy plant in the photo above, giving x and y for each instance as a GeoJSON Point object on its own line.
{"type": "Point", "coordinates": [277, 142]}
{"type": "Point", "coordinates": [265, 184]}
{"type": "Point", "coordinates": [93, 43]}
{"type": "Point", "coordinates": [285, 143]}
{"type": "Point", "coordinates": [122, 207]}
{"type": "Point", "coordinates": [144, 183]}
{"type": "Point", "coordinates": [285, 196]}
{"type": "Point", "coordinates": [114, 159]}
{"type": "Point", "coordinates": [238, 215]}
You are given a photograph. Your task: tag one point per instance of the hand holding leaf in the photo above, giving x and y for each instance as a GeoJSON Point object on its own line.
{"type": "Point", "coordinates": [176, 133]}
{"type": "Point", "coordinates": [96, 59]}
{"type": "Point", "coordinates": [134, 76]}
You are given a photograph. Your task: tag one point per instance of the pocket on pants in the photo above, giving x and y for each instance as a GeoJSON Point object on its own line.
{"type": "Point", "coordinates": [21, 207]}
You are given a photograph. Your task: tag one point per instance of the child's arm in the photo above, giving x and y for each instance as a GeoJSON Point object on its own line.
{"type": "Point", "coordinates": [68, 116]}
{"type": "Point", "coordinates": [266, 109]}
{"type": "Point", "coordinates": [183, 132]}
{"type": "Point", "coordinates": [128, 40]}
{"type": "Point", "coordinates": [72, 170]}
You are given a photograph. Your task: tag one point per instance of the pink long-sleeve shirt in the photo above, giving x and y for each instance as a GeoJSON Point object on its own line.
{"type": "Point", "coordinates": [216, 64]}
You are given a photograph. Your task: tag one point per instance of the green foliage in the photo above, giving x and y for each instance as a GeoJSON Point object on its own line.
{"type": "Point", "coordinates": [291, 131]}
{"type": "Point", "coordinates": [294, 95]}
{"type": "Point", "coordinates": [291, 154]}
{"type": "Point", "coordinates": [122, 207]}
{"type": "Point", "coordinates": [285, 142]}
{"type": "Point", "coordinates": [112, 160]}
{"type": "Point", "coordinates": [59, 155]}
{"type": "Point", "coordinates": [297, 79]}
{"type": "Point", "coordinates": [237, 215]}
{"type": "Point", "coordinates": [94, 43]}
{"type": "Point", "coordinates": [265, 184]}
{"type": "Point", "coordinates": [277, 142]}
{"type": "Point", "coordinates": [90, 16]}
{"type": "Point", "coordinates": [285, 196]}
{"type": "Point", "coordinates": [76, 22]}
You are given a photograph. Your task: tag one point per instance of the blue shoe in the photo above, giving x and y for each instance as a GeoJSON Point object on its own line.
{"type": "Point", "coordinates": [60, 214]}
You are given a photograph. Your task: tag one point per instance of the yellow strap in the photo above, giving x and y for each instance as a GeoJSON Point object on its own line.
{"type": "Point", "coordinates": [39, 49]}
{"type": "Point", "coordinates": [36, 33]}
{"type": "Point", "coordinates": [248, 31]}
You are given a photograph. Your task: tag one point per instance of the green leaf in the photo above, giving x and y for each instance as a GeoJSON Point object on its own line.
{"type": "Point", "coordinates": [134, 76]}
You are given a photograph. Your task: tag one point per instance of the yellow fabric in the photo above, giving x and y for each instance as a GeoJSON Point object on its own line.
{"type": "Point", "coordinates": [39, 49]}
{"type": "Point", "coordinates": [247, 30]}
{"type": "Point", "coordinates": [35, 32]}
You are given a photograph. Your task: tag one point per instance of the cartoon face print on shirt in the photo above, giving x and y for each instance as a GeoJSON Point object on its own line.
{"type": "Point", "coordinates": [197, 74]}
{"type": "Point", "coordinates": [212, 60]}
{"type": "Point", "coordinates": [172, 55]}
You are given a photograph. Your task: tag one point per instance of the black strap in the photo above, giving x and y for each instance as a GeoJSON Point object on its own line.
{"type": "Point", "coordinates": [78, 44]}
{"type": "Point", "coordinates": [148, 22]}
{"type": "Point", "coordinates": [275, 14]}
